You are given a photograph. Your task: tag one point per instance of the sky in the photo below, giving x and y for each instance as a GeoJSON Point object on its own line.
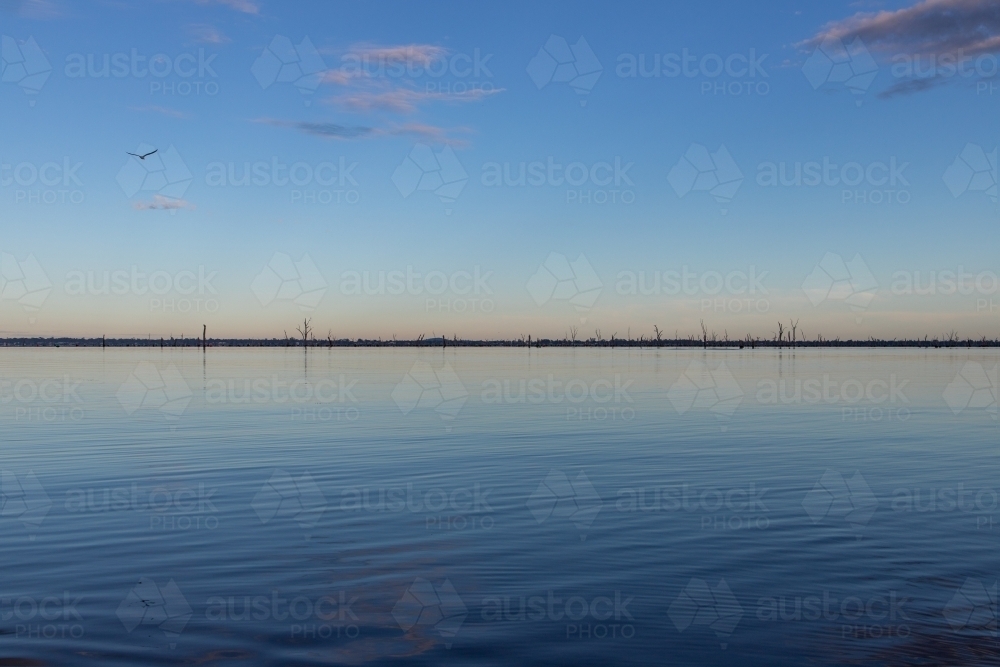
{"type": "Point", "coordinates": [497, 170]}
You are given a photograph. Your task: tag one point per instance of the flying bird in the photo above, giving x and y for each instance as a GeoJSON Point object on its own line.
{"type": "Point", "coordinates": [143, 157]}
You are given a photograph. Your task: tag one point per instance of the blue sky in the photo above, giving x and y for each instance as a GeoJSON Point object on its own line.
{"type": "Point", "coordinates": [477, 90]}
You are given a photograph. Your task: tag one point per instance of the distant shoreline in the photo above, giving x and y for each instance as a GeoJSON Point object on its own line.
{"type": "Point", "coordinates": [514, 343]}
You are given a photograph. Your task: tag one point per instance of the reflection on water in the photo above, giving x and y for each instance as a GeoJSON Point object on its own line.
{"type": "Point", "coordinates": [369, 506]}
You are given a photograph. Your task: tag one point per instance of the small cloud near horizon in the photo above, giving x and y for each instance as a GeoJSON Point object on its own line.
{"type": "Point", "coordinates": [161, 203]}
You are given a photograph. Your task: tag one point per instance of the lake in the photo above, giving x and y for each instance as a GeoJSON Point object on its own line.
{"type": "Point", "coordinates": [499, 506]}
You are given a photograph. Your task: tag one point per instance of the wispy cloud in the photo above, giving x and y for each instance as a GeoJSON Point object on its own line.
{"type": "Point", "coordinates": [407, 54]}
{"type": "Point", "coordinates": [325, 130]}
{"type": "Point", "coordinates": [381, 78]}
{"type": "Point", "coordinates": [367, 61]}
{"type": "Point", "coordinates": [429, 132]}
{"type": "Point", "coordinates": [406, 100]}
{"type": "Point", "coordinates": [928, 27]}
{"type": "Point", "coordinates": [339, 77]}
{"type": "Point", "coordinates": [245, 6]}
{"type": "Point", "coordinates": [152, 108]}
{"type": "Point", "coordinates": [335, 131]}
{"type": "Point", "coordinates": [161, 203]}
{"type": "Point", "coordinates": [366, 89]}
{"type": "Point", "coordinates": [207, 34]}
{"type": "Point", "coordinates": [908, 86]}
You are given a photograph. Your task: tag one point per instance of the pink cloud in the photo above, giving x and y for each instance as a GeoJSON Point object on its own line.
{"type": "Point", "coordinates": [406, 100]}
{"type": "Point", "coordinates": [415, 54]}
{"type": "Point", "coordinates": [337, 77]}
{"type": "Point", "coordinates": [161, 203]}
{"type": "Point", "coordinates": [343, 132]}
{"type": "Point", "coordinates": [429, 132]}
{"type": "Point", "coordinates": [930, 26]}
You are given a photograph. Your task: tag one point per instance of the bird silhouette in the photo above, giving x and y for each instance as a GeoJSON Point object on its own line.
{"type": "Point", "coordinates": [143, 157]}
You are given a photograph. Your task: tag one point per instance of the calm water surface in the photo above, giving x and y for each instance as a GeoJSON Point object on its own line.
{"type": "Point", "coordinates": [481, 507]}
